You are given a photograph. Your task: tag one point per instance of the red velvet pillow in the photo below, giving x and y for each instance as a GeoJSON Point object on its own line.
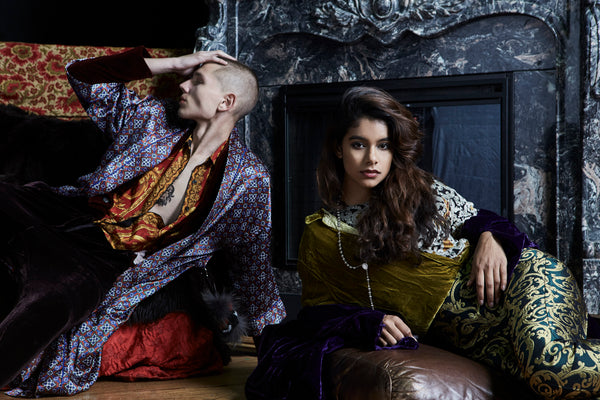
{"type": "Point", "coordinates": [172, 347]}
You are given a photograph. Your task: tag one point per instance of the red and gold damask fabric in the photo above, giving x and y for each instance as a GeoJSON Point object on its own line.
{"type": "Point", "coordinates": [32, 77]}
{"type": "Point", "coordinates": [126, 218]}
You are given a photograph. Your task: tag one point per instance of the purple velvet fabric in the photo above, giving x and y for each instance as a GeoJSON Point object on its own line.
{"type": "Point", "coordinates": [593, 331]}
{"type": "Point", "coordinates": [290, 355]}
{"type": "Point", "coordinates": [60, 264]}
{"type": "Point", "coordinates": [512, 240]}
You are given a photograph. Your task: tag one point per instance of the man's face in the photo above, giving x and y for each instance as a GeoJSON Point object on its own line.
{"type": "Point", "coordinates": [201, 94]}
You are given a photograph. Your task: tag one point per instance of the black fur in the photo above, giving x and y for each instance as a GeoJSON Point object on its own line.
{"type": "Point", "coordinates": [205, 295]}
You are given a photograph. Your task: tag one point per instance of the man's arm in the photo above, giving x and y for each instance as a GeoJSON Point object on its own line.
{"type": "Point", "coordinates": [185, 65]}
{"type": "Point", "coordinates": [120, 68]}
{"type": "Point", "coordinates": [137, 64]}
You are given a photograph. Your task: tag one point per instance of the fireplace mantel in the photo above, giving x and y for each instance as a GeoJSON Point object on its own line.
{"type": "Point", "coordinates": [250, 22]}
{"type": "Point", "coordinates": [551, 47]}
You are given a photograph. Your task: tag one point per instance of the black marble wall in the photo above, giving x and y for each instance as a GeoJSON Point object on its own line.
{"type": "Point", "coordinates": [590, 182]}
{"type": "Point", "coordinates": [549, 47]}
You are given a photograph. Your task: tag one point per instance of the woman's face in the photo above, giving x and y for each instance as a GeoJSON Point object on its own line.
{"type": "Point", "coordinates": [366, 153]}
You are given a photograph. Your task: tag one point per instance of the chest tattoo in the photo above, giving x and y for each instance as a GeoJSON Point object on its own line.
{"type": "Point", "coordinates": [167, 196]}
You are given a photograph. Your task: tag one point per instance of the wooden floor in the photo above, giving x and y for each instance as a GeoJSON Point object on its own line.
{"type": "Point", "coordinates": [228, 385]}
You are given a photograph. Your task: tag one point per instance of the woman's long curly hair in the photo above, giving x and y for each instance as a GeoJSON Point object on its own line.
{"type": "Point", "coordinates": [402, 207]}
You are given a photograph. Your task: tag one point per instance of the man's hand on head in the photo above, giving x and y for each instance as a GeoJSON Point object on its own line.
{"type": "Point", "coordinates": [185, 65]}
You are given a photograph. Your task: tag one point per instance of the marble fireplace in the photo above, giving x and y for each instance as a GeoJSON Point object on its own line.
{"type": "Point", "coordinates": [544, 54]}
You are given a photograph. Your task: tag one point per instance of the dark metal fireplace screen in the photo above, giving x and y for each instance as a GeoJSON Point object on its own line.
{"type": "Point", "coordinates": [468, 145]}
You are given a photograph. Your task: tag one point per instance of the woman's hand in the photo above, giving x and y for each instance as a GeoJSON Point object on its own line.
{"type": "Point", "coordinates": [185, 65]}
{"type": "Point", "coordinates": [393, 330]}
{"type": "Point", "coordinates": [489, 270]}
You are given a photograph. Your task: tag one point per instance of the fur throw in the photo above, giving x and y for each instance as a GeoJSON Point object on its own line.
{"type": "Point", "coordinates": [205, 295]}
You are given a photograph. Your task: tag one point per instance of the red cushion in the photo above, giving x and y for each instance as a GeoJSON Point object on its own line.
{"type": "Point", "coordinates": [172, 347]}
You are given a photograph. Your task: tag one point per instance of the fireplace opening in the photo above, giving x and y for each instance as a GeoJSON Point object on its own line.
{"type": "Point", "coordinates": [467, 145]}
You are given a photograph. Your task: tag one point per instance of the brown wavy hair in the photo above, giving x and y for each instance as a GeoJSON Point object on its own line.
{"type": "Point", "coordinates": [402, 207]}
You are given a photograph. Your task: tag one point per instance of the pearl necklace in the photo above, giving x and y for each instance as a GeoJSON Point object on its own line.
{"type": "Point", "coordinates": [364, 265]}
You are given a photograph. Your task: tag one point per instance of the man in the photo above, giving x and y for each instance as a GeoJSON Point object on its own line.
{"type": "Point", "coordinates": [165, 197]}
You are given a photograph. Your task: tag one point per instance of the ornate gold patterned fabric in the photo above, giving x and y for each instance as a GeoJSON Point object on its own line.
{"type": "Point", "coordinates": [32, 77]}
{"type": "Point", "coordinates": [537, 333]}
{"type": "Point", "coordinates": [418, 291]}
{"type": "Point", "coordinates": [127, 221]}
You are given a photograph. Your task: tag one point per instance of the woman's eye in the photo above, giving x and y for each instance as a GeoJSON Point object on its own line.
{"type": "Point", "coordinates": [384, 146]}
{"type": "Point", "coordinates": [357, 145]}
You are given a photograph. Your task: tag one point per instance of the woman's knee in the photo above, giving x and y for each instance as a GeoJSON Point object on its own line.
{"type": "Point", "coordinates": [535, 260]}
{"type": "Point", "coordinates": [540, 277]}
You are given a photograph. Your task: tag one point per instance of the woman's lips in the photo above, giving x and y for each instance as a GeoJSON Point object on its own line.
{"type": "Point", "coordinates": [370, 173]}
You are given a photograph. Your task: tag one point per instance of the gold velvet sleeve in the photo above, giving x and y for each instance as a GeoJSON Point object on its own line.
{"type": "Point", "coordinates": [414, 292]}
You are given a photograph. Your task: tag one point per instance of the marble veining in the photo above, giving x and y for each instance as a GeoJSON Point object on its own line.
{"type": "Point", "coordinates": [556, 81]}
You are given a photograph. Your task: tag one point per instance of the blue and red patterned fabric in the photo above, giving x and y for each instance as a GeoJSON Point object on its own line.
{"type": "Point", "coordinates": [240, 221]}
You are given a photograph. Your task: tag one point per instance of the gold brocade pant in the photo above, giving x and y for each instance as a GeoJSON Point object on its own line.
{"type": "Point", "coordinates": [537, 333]}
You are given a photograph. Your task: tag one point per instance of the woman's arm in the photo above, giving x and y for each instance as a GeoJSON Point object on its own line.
{"type": "Point", "coordinates": [453, 206]}
{"type": "Point", "coordinates": [498, 246]}
{"type": "Point", "coordinates": [488, 269]}
{"type": "Point", "coordinates": [498, 243]}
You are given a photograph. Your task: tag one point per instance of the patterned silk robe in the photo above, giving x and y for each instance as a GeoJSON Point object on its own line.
{"type": "Point", "coordinates": [239, 221]}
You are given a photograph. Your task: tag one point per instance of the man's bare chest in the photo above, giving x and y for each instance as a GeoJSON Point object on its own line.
{"type": "Point", "coordinates": [169, 204]}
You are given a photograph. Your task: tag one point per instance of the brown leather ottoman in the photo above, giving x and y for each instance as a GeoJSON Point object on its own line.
{"type": "Point", "coordinates": [427, 373]}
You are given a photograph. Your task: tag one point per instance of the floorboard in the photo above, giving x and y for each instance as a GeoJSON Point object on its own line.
{"type": "Point", "coordinates": [228, 385]}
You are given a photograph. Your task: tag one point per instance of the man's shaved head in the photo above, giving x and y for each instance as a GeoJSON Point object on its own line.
{"type": "Point", "coordinates": [239, 79]}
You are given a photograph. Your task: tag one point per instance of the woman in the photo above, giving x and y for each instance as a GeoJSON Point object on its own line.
{"type": "Point", "coordinates": [393, 238]}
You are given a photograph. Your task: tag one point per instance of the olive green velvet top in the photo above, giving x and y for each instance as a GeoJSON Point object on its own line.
{"type": "Point", "coordinates": [417, 291]}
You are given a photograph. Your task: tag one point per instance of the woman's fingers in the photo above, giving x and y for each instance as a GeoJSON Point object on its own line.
{"type": "Point", "coordinates": [394, 329]}
{"type": "Point", "coordinates": [489, 270]}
